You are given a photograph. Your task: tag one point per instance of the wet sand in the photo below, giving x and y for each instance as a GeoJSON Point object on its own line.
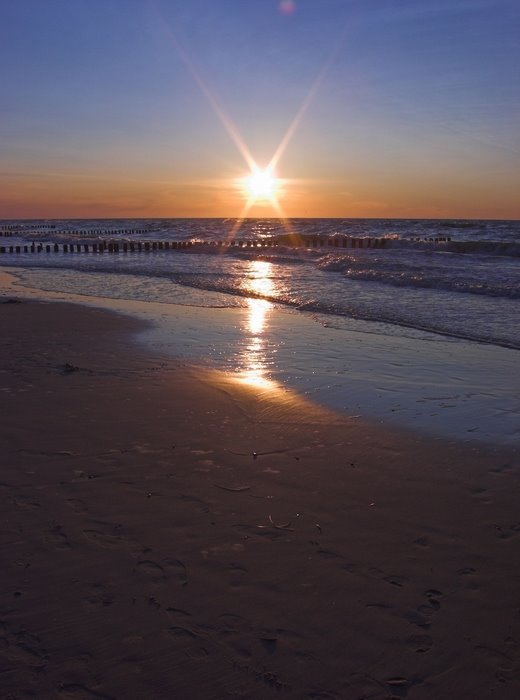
{"type": "Point", "coordinates": [170, 533]}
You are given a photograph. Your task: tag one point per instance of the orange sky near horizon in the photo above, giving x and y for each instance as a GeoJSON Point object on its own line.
{"type": "Point", "coordinates": [56, 196]}
{"type": "Point", "coordinates": [155, 109]}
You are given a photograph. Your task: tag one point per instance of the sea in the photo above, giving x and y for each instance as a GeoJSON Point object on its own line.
{"type": "Point", "coordinates": [445, 283]}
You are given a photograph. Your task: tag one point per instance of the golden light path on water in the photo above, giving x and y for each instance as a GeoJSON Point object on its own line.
{"type": "Point", "coordinates": [253, 360]}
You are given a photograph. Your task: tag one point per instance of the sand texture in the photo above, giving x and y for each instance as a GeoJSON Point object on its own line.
{"type": "Point", "coordinates": [168, 533]}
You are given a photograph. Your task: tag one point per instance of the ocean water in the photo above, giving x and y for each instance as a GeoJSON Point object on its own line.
{"type": "Point", "coordinates": [468, 287]}
{"type": "Point", "coordinates": [438, 313]}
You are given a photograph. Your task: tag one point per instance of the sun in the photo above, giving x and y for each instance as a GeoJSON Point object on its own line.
{"type": "Point", "coordinates": [261, 188]}
{"type": "Point", "coordinates": [261, 185]}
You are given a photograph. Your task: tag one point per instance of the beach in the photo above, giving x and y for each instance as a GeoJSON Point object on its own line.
{"type": "Point", "coordinates": [170, 532]}
{"type": "Point", "coordinates": [259, 350]}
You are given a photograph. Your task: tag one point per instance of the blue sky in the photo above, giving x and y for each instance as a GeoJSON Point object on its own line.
{"type": "Point", "coordinates": [416, 112]}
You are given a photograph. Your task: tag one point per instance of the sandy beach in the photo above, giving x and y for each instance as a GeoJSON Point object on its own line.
{"type": "Point", "coordinates": [168, 532]}
{"type": "Point", "coordinates": [259, 350]}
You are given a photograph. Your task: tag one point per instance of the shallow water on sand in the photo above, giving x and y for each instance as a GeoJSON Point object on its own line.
{"type": "Point", "coordinates": [423, 381]}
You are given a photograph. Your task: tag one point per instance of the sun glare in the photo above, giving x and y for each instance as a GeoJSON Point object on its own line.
{"type": "Point", "coordinates": [261, 185]}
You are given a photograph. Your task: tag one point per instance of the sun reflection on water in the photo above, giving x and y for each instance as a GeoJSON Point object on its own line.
{"type": "Point", "coordinates": [258, 312]}
{"type": "Point", "coordinates": [253, 361]}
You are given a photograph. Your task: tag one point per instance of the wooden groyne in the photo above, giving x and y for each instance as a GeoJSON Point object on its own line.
{"type": "Point", "coordinates": [16, 230]}
{"type": "Point", "coordinates": [290, 241]}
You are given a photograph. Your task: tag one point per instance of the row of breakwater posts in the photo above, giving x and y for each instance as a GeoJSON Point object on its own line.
{"type": "Point", "coordinates": [291, 241]}
{"type": "Point", "coordinates": [15, 230]}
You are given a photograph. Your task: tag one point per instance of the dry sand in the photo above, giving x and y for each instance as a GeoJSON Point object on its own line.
{"type": "Point", "coordinates": [168, 533]}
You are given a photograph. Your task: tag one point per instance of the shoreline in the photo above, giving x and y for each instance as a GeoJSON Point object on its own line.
{"type": "Point", "coordinates": [168, 532]}
{"type": "Point", "coordinates": [434, 386]}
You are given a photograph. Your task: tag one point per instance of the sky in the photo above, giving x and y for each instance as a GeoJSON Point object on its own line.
{"type": "Point", "coordinates": [160, 108]}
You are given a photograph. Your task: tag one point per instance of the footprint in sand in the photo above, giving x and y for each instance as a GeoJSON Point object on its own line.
{"type": "Point", "coordinates": [495, 658]}
{"type": "Point", "coordinates": [176, 570]}
{"type": "Point", "coordinates": [99, 596]}
{"type": "Point", "coordinates": [57, 536]}
{"type": "Point", "coordinates": [418, 619]}
{"type": "Point", "coordinates": [182, 633]}
{"type": "Point", "coordinates": [21, 648]}
{"type": "Point", "coordinates": [169, 569]}
{"type": "Point", "coordinates": [420, 643]}
{"type": "Point", "coordinates": [150, 570]}
{"type": "Point", "coordinates": [361, 686]}
{"type": "Point", "coordinates": [502, 469]}
{"type": "Point", "coordinates": [178, 614]}
{"type": "Point", "coordinates": [72, 691]}
{"type": "Point", "coordinates": [237, 642]}
{"type": "Point", "coordinates": [422, 616]}
{"type": "Point", "coordinates": [191, 643]}
{"type": "Point", "coordinates": [505, 532]}
{"type": "Point", "coordinates": [237, 575]}
{"type": "Point", "coordinates": [241, 639]}
{"type": "Point", "coordinates": [432, 603]}
{"type": "Point", "coordinates": [398, 581]}
{"type": "Point", "coordinates": [235, 633]}
{"type": "Point", "coordinates": [104, 534]}
{"type": "Point", "coordinates": [25, 502]}
{"type": "Point", "coordinates": [467, 571]}
{"type": "Point", "coordinates": [77, 505]}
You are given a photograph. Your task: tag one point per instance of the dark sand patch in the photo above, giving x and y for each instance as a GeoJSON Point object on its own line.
{"type": "Point", "coordinates": [168, 534]}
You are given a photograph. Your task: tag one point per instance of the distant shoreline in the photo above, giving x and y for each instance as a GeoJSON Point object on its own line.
{"type": "Point", "coordinates": [260, 218]}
